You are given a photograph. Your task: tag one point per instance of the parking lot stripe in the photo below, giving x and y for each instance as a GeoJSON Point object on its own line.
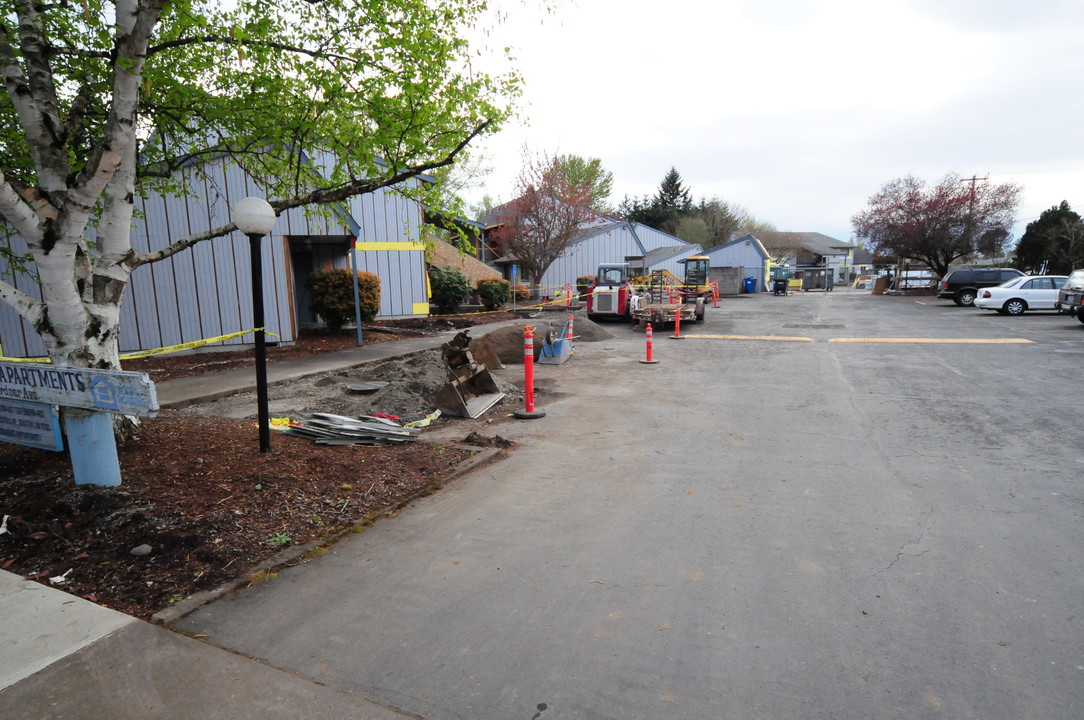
{"type": "Point", "coordinates": [776, 338]}
{"type": "Point", "coordinates": [962, 341]}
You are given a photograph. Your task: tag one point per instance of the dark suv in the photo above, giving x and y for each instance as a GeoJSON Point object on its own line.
{"type": "Point", "coordinates": [962, 285]}
{"type": "Point", "coordinates": [1071, 296]}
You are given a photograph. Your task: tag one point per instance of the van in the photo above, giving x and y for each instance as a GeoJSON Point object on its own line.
{"type": "Point", "coordinates": [962, 285]}
{"type": "Point", "coordinates": [1071, 296]}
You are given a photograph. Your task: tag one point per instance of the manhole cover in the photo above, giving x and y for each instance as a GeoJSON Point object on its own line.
{"type": "Point", "coordinates": [365, 388]}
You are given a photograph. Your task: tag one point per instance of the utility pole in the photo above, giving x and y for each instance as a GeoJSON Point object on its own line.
{"type": "Point", "coordinates": [969, 230]}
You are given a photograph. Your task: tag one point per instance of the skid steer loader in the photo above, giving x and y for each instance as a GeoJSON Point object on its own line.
{"type": "Point", "coordinates": [471, 389]}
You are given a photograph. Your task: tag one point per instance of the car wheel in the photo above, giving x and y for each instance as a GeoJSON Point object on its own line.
{"type": "Point", "coordinates": [1016, 306]}
{"type": "Point", "coordinates": [1080, 316]}
{"type": "Point", "coordinates": [965, 298]}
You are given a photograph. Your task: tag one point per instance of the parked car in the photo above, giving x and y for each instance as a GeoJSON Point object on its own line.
{"type": "Point", "coordinates": [1071, 295]}
{"type": "Point", "coordinates": [1022, 293]}
{"type": "Point", "coordinates": [961, 286]}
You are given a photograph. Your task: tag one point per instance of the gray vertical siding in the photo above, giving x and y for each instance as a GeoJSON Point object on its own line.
{"type": "Point", "coordinates": [17, 338]}
{"type": "Point", "coordinates": [206, 291]}
{"type": "Point", "coordinates": [387, 217]}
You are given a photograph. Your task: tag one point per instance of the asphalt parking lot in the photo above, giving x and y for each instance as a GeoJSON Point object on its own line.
{"type": "Point", "coordinates": [822, 505]}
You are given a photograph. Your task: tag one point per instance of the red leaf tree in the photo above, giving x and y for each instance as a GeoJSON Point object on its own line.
{"type": "Point", "coordinates": [935, 225]}
{"type": "Point", "coordinates": [549, 212]}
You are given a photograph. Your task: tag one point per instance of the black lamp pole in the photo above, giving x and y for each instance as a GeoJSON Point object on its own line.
{"type": "Point", "coordinates": [254, 240]}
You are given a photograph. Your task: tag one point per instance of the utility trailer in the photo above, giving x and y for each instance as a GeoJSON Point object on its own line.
{"type": "Point", "coordinates": [661, 302]}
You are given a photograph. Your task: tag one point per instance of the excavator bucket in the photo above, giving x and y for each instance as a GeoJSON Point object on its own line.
{"type": "Point", "coordinates": [471, 389]}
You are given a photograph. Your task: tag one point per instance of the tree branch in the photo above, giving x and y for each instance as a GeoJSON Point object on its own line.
{"type": "Point", "coordinates": [322, 196]}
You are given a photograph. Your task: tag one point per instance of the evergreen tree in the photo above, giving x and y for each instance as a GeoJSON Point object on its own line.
{"type": "Point", "coordinates": [1052, 244]}
{"type": "Point", "coordinates": [665, 210]}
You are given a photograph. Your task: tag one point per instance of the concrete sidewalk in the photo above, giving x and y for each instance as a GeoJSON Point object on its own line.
{"type": "Point", "coordinates": [208, 387]}
{"type": "Point", "coordinates": [64, 657]}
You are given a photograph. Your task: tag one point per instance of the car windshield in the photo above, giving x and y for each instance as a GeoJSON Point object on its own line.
{"type": "Point", "coordinates": [1014, 282]}
{"type": "Point", "coordinates": [1075, 281]}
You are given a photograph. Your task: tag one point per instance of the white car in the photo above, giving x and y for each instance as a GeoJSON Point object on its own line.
{"type": "Point", "coordinates": [1027, 292]}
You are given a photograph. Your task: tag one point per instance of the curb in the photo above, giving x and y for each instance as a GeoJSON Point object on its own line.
{"type": "Point", "coordinates": [289, 557]}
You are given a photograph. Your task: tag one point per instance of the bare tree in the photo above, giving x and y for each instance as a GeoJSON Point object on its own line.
{"type": "Point", "coordinates": [550, 210]}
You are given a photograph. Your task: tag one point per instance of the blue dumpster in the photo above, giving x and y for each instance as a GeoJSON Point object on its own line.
{"type": "Point", "coordinates": [750, 284]}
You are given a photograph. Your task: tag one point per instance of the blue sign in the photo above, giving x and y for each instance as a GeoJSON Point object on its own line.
{"type": "Point", "coordinates": [32, 424]}
{"type": "Point", "coordinates": [515, 271]}
{"type": "Point", "coordinates": [115, 391]}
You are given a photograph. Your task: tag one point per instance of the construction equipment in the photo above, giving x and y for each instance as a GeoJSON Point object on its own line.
{"type": "Point", "coordinates": [661, 302]}
{"type": "Point", "coordinates": [471, 389]}
{"type": "Point", "coordinates": [610, 292]}
{"type": "Point", "coordinates": [654, 298]}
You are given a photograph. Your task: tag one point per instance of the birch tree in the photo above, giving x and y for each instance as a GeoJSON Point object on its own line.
{"type": "Point", "coordinates": [107, 99]}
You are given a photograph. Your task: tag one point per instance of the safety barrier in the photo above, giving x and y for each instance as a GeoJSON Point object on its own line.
{"type": "Point", "coordinates": [650, 360]}
{"type": "Point", "coordinates": [677, 325]}
{"type": "Point", "coordinates": [529, 412]}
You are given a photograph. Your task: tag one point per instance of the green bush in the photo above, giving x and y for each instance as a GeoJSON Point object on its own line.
{"type": "Point", "coordinates": [333, 296]}
{"type": "Point", "coordinates": [493, 293]}
{"type": "Point", "coordinates": [449, 288]}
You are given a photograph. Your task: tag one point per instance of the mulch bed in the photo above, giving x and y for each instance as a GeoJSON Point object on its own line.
{"type": "Point", "coordinates": [199, 505]}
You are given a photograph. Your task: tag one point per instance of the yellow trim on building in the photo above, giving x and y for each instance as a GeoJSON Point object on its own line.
{"type": "Point", "coordinates": [397, 246]}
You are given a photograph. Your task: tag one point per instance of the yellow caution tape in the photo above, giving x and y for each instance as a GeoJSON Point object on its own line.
{"type": "Point", "coordinates": [189, 345]}
{"type": "Point", "coordinates": [424, 422]}
{"type": "Point", "coordinates": [156, 351]}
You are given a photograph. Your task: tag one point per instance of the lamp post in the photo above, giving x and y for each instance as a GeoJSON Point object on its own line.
{"type": "Point", "coordinates": [255, 218]}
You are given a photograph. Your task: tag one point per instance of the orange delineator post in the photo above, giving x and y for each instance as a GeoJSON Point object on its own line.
{"type": "Point", "coordinates": [715, 294]}
{"type": "Point", "coordinates": [529, 412]}
{"type": "Point", "coordinates": [528, 368]}
{"type": "Point", "coordinates": [677, 325]}
{"type": "Point", "coordinates": [568, 288]}
{"type": "Point", "coordinates": [650, 358]}
{"type": "Point", "coordinates": [568, 330]}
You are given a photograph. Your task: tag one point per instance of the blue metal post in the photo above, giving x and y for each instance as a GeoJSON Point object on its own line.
{"type": "Point", "coordinates": [357, 293]}
{"type": "Point", "coordinates": [92, 447]}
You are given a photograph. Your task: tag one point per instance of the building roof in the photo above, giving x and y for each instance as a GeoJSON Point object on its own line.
{"type": "Point", "coordinates": [747, 238]}
{"type": "Point", "coordinates": [441, 254]}
{"type": "Point", "coordinates": [812, 241]}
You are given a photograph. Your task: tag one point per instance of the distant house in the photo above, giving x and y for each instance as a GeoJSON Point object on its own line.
{"type": "Point", "coordinates": [205, 292]}
{"type": "Point", "coordinates": [811, 250]}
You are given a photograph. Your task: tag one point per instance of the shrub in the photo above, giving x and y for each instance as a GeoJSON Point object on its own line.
{"type": "Point", "coordinates": [333, 296]}
{"type": "Point", "coordinates": [523, 293]}
{"type": "Point", "coordinates": [493, 293]}
{"type": "Point", "coordinates": [450, 288]}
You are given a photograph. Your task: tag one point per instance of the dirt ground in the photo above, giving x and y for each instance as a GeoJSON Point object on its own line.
{"type": "Point", "coordinates": [200, 506]}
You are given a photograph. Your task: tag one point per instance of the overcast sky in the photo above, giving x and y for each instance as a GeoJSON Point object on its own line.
{"type": "Point", "coordinates": [799, 110]}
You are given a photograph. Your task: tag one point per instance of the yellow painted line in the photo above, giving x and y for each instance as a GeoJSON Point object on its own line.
{"type": "Point", "coordinates": [776, 338]}
{"type": "Point", "coordinates": [950, 341]}
{"type": "Point", "coordinates": [370, 246]}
